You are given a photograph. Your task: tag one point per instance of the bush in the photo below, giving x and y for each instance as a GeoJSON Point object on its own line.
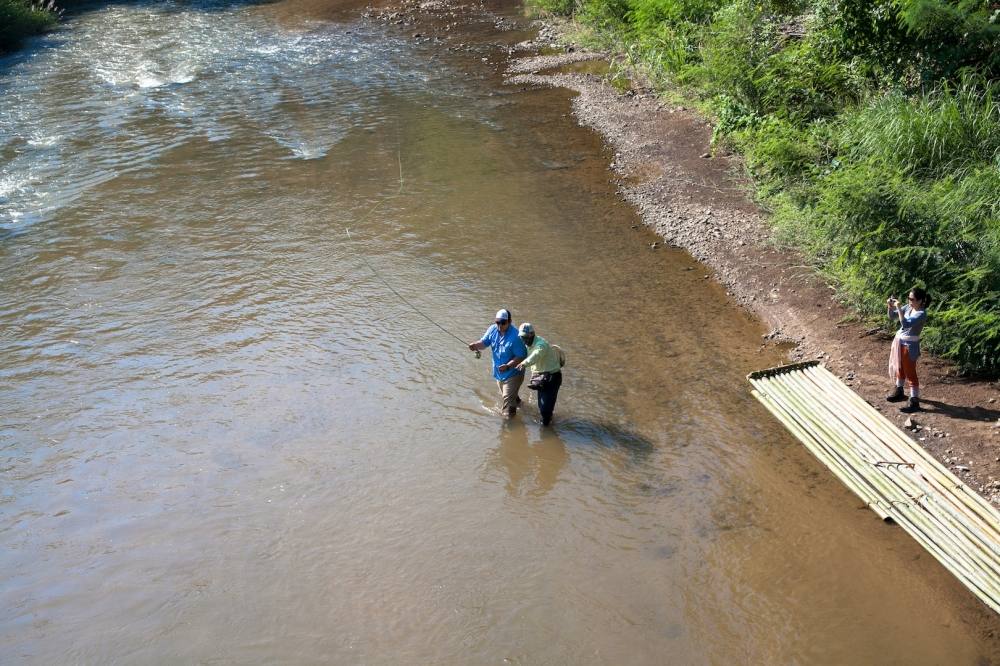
{"type": "Point", "coordinates": [781, 156]}
{"type": "Point", "coordinates": [557, 7]}
{"type": "Point", "coordinates": [18, 20]}
{"type": "Point", "coordinates": [872, 131]}
{"type": "Point", "coordinates": [879, 231]}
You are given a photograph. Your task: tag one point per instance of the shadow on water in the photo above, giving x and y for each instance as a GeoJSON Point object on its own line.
{"type": "Point", "coordinates": [584, 432]}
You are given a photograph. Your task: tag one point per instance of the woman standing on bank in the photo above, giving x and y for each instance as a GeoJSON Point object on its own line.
{"type": "Point", "coordinates": [906, 346]}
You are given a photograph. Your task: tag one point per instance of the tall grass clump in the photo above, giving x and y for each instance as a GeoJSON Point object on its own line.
{"type": "Point", "coordinates": [871, 128]}
{"type": "Point", "coordinates": [945, 130]}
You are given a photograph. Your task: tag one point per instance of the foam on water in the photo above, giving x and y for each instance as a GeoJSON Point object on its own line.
{"type": "Point", "coordinates": [161, 75]}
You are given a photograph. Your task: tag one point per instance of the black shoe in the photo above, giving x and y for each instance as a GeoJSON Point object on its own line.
{"type": "Point", "coordinates": [912, 406]}
{"type": "Point", "coordinates": [896, 396]}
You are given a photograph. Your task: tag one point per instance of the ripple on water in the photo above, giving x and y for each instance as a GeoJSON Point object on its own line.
{"type": "Point", "coordinates": [216, 75]}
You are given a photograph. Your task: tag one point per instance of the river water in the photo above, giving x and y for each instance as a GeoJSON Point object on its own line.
{"type": "Point", "coordinates": [227, 437]}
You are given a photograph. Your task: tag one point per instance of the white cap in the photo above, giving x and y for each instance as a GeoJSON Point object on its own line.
{"type": "Point", "coordinates": [525, 329]}
{"type": "Point", "coordinates": [502, 315]}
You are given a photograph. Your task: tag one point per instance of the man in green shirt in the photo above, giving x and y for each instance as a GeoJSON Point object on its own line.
{"type": "Point", "coordinates": [546, 368]}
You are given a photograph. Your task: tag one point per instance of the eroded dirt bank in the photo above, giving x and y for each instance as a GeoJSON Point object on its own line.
{"type": "Point", "coordinates": [696, 198]}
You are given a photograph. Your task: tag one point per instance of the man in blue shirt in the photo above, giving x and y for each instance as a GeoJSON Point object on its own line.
{"type": "Point", "coordinates": [508, 351]}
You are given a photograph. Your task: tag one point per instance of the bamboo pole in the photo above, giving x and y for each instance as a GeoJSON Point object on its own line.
{"type": "Point", "coordinates": [869, 498]}
{"type": "Point", "coordinates": [778, 396]}
{"type": "Point", "coordinates": [940, 480]}
{"type": "Point", "coordinates": [958, 563]}
{"type": "Point", "coordinates": [849, 436]}
{"type": "Point", "coordinates": [966, 495]}
{"type": "Point", "coordinates": [961, 530]}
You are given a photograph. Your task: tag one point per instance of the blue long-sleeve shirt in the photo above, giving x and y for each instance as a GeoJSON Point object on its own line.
{"type": "Point", "coordinates": [911, 323]}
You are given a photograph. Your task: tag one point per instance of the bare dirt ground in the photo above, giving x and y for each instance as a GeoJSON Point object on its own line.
{"type": "Point", "coordinates": [698, 200]}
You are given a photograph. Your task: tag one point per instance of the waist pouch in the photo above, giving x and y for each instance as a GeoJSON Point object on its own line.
{"type": "Point", "coordinates": [540, 380]}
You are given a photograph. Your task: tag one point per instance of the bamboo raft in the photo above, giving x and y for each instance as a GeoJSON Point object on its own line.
{"type": "Point", "coordinates": [894, 476]}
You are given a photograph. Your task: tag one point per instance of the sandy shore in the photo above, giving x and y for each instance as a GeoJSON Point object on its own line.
{"type": "Point", "coordinates": [698, 200]}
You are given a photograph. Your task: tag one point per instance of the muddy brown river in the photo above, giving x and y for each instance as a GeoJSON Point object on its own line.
{"type": "Point", "coordinates": [227, 437]}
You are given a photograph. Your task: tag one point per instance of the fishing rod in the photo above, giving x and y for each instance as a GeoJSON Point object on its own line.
{"type": "Point", "coordinates": [406, 300]}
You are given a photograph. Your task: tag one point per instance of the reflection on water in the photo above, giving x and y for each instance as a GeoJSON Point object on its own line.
{"type": "Point", "coordinates": [532, 467]}
{"type": "Point", "coordinates": [225, 439]}
{"type": "Point", "coordinates": [533, 455]}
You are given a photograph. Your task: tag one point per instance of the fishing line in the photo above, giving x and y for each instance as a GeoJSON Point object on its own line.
{"type": "Point", "coordinates": [399, 158]}
{"type": "Point", "coordinates": [401, 297]}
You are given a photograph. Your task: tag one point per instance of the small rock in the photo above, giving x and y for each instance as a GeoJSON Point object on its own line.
{"type": "Point", "coordinates": [910, 423]}
{"type": "Point", "coordinates": [705, 156]}
{"type": "Point", "coordinates": [961, 468]}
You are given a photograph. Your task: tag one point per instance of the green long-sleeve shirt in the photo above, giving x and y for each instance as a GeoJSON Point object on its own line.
{"type": "Point", "coordinates": [541, 356]}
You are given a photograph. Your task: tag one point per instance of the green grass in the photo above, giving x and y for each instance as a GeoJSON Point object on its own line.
{"type": "Point", "coordinates": [19, 19]}
{"type": "Point", "coordinates": [871, 129]}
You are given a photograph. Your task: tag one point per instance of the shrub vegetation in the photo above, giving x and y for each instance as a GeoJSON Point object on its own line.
{"type": "Point", "coordinates": [20, 19]}
{"type": "Point", "coordinates": [871, 129]}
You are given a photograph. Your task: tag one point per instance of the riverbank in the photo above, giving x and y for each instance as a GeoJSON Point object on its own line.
{"type": "Point", "coordinates": [696, 199]}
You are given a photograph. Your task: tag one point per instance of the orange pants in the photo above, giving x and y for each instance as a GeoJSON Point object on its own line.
{"type": "Point", "coordinates": [907, 368]}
